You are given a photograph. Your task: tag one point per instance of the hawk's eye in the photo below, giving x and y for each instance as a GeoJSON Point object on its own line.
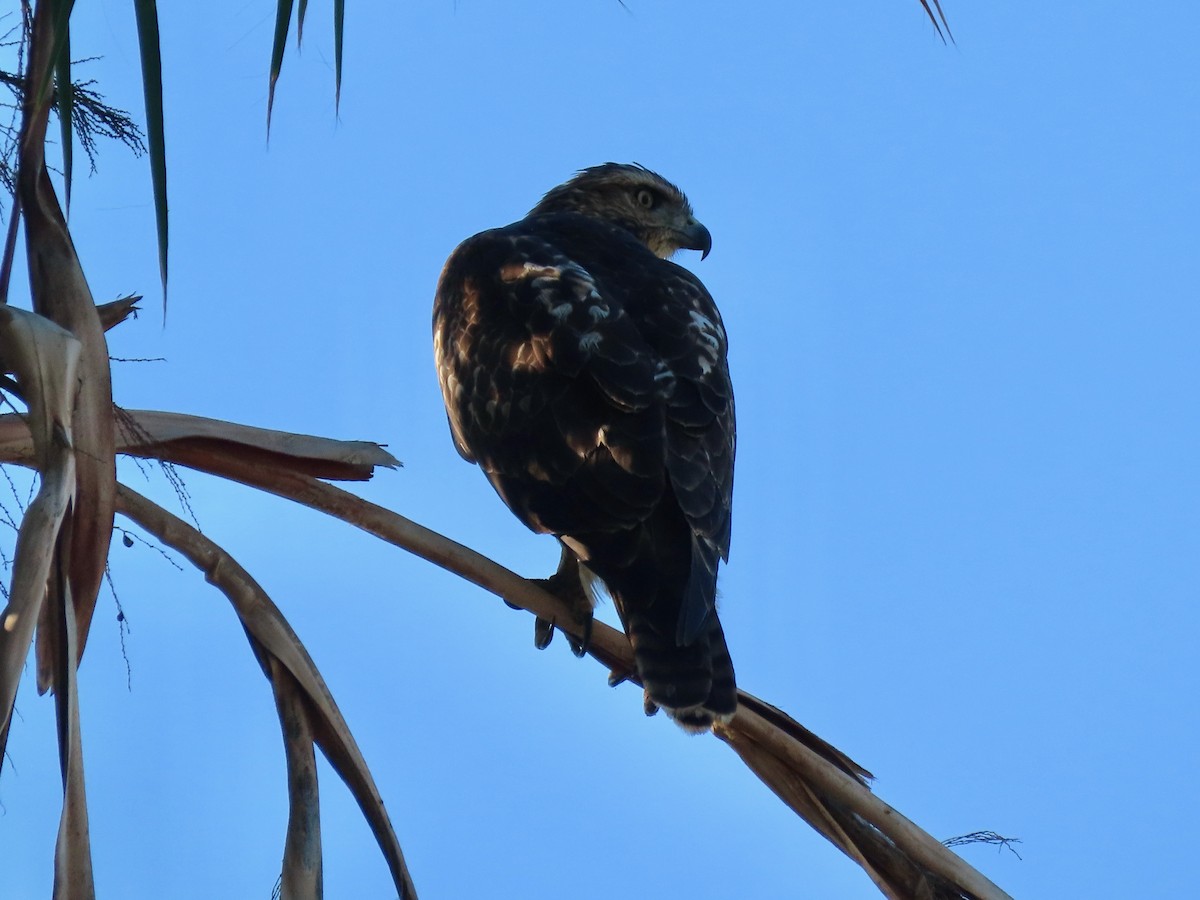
{"type": "Point", "coordinates": [646, 199]}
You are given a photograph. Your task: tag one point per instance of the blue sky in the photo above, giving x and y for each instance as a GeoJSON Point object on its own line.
{"type": "Point", "coordinates": [960, 285]}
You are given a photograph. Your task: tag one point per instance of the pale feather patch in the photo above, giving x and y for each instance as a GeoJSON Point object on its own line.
{"type": "Point", "coordinates": [590, 341]}
{"type": "Point", "coordinates": [516, 271]}
{"type": "Point", "coordinates": [709, 332]}
{"type": "Point", "coordinates": [503, 407]}
{"type": "Point", "coordinates": [664, 380]}
{"type": "Point", "coordinates": [577, 548]}
{"type": "Point", "coordinates": [681, 716]}
{"type": "Point", "coordinates": [532, 355]}
{"type": "Point", "coordinates": [622, 456]}
{"type": "Point", "coordinates": [593, 586]}
{"type": "Point", "coordinates": [709, 337]}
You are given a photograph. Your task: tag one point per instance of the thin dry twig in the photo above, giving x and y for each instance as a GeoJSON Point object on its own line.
{"type": "Point", "coordinates": [985, 837]}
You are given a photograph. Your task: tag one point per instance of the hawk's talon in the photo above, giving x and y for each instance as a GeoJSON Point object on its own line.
{"type": "Point", "coordinates": [618, 676]}
{"type": "Point", "coordinates": [566, 586]}
{"type": "Point", "coordinates": [649, 705]}
{"type": "Point", "coordinates": [543, 632]}
{"type": "Point", "coordinates": [580, 647]}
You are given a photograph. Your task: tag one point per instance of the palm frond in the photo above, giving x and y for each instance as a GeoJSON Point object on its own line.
{"type": "Point", "coordinates": [151, 55]}
{"type": "Point", "coordinates": [283, 21]}
{"type": "Point", "coordinates": [942, 25]}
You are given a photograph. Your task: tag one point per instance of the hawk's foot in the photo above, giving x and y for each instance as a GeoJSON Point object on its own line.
{"type": "Point", "coordinates": [565, 584]}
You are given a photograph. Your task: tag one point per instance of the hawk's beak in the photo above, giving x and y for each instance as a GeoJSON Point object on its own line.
{"type": "Point", "coordinates": [696, 237]}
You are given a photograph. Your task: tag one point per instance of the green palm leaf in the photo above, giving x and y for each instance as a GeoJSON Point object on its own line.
{"type": "Point", "coordinates": [934, 19]}
{"type": "Point", "coordinates": [64, 91]}
{"type": "Point", "coordinates": [339, 16]}
{"type": "Point", "coordinates": [147, 26]}
{"type": "Point", "coordinates": [283, 19]}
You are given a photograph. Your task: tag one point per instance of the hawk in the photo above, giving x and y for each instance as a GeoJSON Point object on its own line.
{"type": "Point", "coordinates": [586, 374]}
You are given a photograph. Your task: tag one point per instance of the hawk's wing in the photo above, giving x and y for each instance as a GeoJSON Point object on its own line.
{"type": "Point", "coordinates": [591, 394]}
{"type": "Point", "coordinates": [701, 433]}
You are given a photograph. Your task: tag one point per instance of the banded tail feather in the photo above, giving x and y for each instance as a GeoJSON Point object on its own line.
{"type": "Point", "coordinates": [694, 682]}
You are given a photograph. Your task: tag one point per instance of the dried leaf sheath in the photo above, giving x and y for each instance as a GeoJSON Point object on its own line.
{"type": "Point", "coordinates": [273, 639]}
{"type": "Point", "coordinates": [302, 867]}
{"type": "Point", "coordinates": [141, 432]}
{"type": "Point", "coordinates": [45, 359]}
{"type": "Point", "coordinates": [72, 851]}
{"type": "Point", "coordinates": [61, 294]}
{"type": "Point", "coordinates": [900, 858]}
{"type": "Point", "coordinates": [154, 434]}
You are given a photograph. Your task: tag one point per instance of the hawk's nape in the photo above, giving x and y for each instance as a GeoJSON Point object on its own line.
{"type": "Point", "coordinates": [587, 376]}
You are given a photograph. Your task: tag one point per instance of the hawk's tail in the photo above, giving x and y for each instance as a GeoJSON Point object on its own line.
{"type": "Point", "coordinates": [692, 682]}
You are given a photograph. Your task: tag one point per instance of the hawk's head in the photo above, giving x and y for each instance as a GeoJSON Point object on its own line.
{"type": "Point", "coordinates": [631, 196]}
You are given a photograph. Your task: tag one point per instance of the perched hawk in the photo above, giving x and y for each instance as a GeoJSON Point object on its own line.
{"type": "Point", "coordinates": [587, 376]}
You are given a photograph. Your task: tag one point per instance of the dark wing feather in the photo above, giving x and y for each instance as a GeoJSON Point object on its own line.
{"type": "Point", "coordinates": [701, 433]}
